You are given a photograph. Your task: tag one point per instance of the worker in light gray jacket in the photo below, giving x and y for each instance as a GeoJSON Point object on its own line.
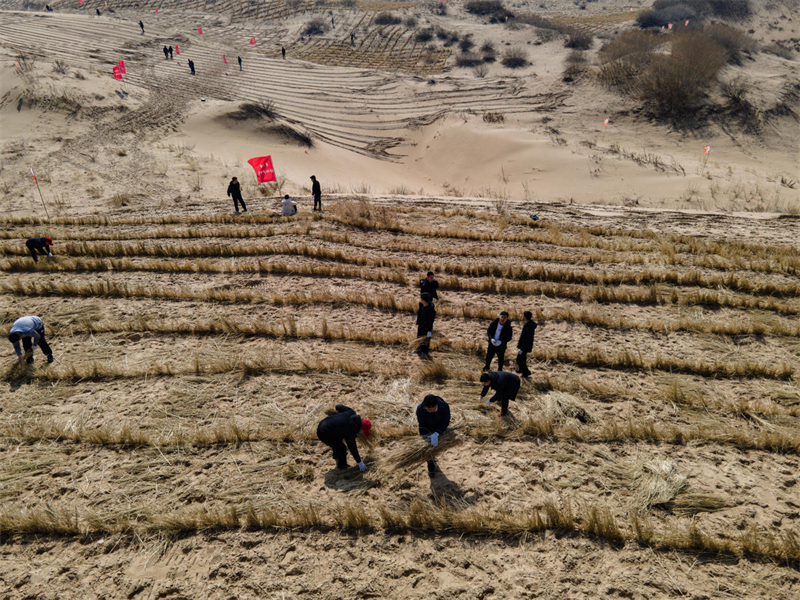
{"type": "Point", "coordinates": [30, 330]}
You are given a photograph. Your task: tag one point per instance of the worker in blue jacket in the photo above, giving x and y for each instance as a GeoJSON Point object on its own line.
{"type": "Point", "coordinates": [433, 417]}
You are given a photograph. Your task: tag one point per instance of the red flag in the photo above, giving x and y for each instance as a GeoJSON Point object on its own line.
{"type": "Point", "coordinates": [156, 11]}
{"type": "Point", "coordinates": [81, 2]}
{"type": "Point", "coordinates": [117, 73]}
{"type": "Point", "coordinates": [224, 60]}
{"type": "Point", "coordinates": [34, 176]}
{"type": "Point", "coordinates": [176, 49]}
{"type": "Point", "coordinates": [605, 122]}
{"type": "Point", "coordinates": [200, 30]}
{"type": "Point", "coordinates": [707, 149]}
{"type": "Point", "coordinates": [122, 66]}
{"type": "Point", "coordinates": [252, 40]}
{"type": "Point", "coordinates": [263, 168]}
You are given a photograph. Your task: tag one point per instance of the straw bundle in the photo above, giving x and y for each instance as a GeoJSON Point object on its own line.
{"type": "Point", "coordinates": [419, 450]}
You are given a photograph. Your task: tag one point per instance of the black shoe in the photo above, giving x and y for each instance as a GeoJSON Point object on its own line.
{"type": "Point", "coordinates": [342, 465]}
{"type": "Point", "coordinates": [484, 369]}
{"type": "Point", "coordinates": [431, 473]}
{"type": "Point", "coordinates": [50, 358]}
{"type": "Point", "coordinates": [29, 360]}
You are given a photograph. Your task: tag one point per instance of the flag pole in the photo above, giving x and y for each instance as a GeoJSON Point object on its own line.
{"type": "Point", "coordinates": [36, 181]}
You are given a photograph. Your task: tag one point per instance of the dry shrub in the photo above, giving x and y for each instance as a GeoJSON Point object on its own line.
{"type": "Point", "coordinates": [515, 58]}
{"type": "Point", "coordinates": [468, 59]}
{"type": "Point", "coordinates": [387, 18]}
{"type": "Point", "coordinates": [315, 27]}
{"type": "Point", "coordinates": [302, 138]}
{"type": "Point", "coordinates": [491, 8]}
{"type": "Point", "coordinates": [423, 35]}
{"type": "Point", "coordinates": [559, 407]}
{"type": "Point", "coordinates": [263, 109]}
{"type": "Point", "coordinates": [626, 56]}
{"type": "Point", "coordinates": [734, 41]}
{"type": "Point", "coordinates": [493, 117]}
{"type": "Point", "coordinates": [578, 39]}
{"type": "Point", "coordinates": [675, 85]}
{"type": "Point", "coordinates": [297, 472]}
{"type": "Point", "coordinates": [777, 50]}
{"type": "Point", "coordinates": [119, 200]}
{"type": "Point", "coordinates": [481, 71]}
{"type": "Point", "coordinates": [60, 67]}
{"type": "Point", "coordinates": [419, 450]}
{"type": "Point", "coordinates": [573, 73]}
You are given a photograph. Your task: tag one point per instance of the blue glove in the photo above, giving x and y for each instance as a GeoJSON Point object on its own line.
{"type": "Point", "coordinates": [362, 467]}
{"type": "Point", "coordinates": [434, 440]}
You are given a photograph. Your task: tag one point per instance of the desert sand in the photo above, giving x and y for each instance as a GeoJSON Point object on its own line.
{"type": "Point", "coordinates": [170, 450]}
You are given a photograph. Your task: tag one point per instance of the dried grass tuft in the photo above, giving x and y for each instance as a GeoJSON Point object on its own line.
{"type": "Point", "coordinates": [419, 450]}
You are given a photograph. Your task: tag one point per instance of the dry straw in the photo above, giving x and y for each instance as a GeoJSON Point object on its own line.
{"type": "Point", "coordinates": [417, 451]}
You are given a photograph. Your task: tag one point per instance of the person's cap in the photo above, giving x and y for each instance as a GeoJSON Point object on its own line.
{"type": "Point", "coordinates": [425, 296]}
{"type": "Point", "coordinates": [48, 241]}
{"type": "Point", "coordinates": [313, 177]}
{"type": "Point", "coordinates": [286, 197]}
{"type": "Point", "coordinates": [503, 313]}
{"type": "Point", "coordinates": [366, 426]}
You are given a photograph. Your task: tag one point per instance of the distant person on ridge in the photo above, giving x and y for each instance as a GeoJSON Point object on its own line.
{"type": "Point", "coordinates": [166, 53]}
{"type": "Point", "coordinates": [283, 52]}
{"type": "Point", "coordinates": [426, 315]}
{"type": "Point", "coordinates": [30, 330]}
{"type": "Point", "coordinates": [239, 58]}
{"type": "Point", "coordinates": [499, 333]}
{"type": "Point", "coordinates": [97, 10]}
{"type": "Point", "coordinates": [170, 52]}
{"type": "Point", "coordinates": [191, 66]}
{"type": "Point", "coordinates": [235, 192]}
{"type": "Point", "coordinates": [506, 385]}
{"type": "Point", "coordinates": [316, 191]}
{"type": "Point", "coordinates": [429, 285]}
{"type": "Point", "coordinates": [340, 429]}
{"type": "Point", "coordinates": [525, 344]}
{"type": "Point", "coordinates": [41, 245]}
{"type": "Point", "coordinates": [140, 25]}
{"type": "Point", "coordinates": [353, 38]}
{"type": "Point", "coordinates": [288, 206]}
{"type": "Point", "coordinates": [433, 418]}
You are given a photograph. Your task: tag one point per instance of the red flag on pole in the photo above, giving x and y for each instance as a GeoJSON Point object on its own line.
{"type": "Point", "coordinates": [176, 49]}
{"type": "Point", "coordinates": [263, 168]}
{"type": "Point", "coordinates": [252, 40]}
{"type": "Point", "coordinates": [707, 149]}
{"type": "Point", "coordinates": [224, 60]}
{"type": "Point", "coordinates": [156, 11]}
{"type": "Point", "coordinates": [117, 73]}
{"type": "Point", "coordinates": [34, 176]}
{"type": "Point", "coordinates": [81, 2]}
{"type": "Point", "coordinates": [122, 66]}
{"type": "Point", "coordinates": [200, 31]}
{"type": "Point", "coordinates": [605, 122]}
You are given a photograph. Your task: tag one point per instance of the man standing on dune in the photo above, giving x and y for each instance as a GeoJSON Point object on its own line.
{"type": "Point", "coordinates": [433, 418]}
{"type": "Point", "coordinates": [191, 66]}
{"type": "Point", "coordinates": [142, 26]}
{"type": "Point", "coordinates": [525, 344]}
{"type": "Point", "coordinates": [316, 191]}
{"type": "Point", "coordinates": [166, 53]}
{"type": "Point", "coordinates": [170, 52]}
{"type": "Point", "coordinates": [235, 191]}
{"type": "Point", "coordinates": [499, 333]}
{"type": "Point", "coordinates": [426, 315]}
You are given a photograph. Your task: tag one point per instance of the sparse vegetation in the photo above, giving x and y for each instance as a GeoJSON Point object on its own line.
{"type": "Point", "coordinates": [515, 58]}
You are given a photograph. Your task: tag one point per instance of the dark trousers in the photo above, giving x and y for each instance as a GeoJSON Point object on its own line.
{"type": "Point", "coordinates": [500, 351]}
{"type": "Point", "coordinates": [425, 346]}
{"type": "Point", "coordinates": [522, 363]}
{"type": "Point", "coordinates": [431, 463]}
{"type": "Point", "coordinates": [317, 202]}
{"type": "Point", "coordinates": [503, 404]}
{"type": "Point", "coordinates": [236, 202]}
{"type": "Point", "coordinates": [339, 451]}
{"type": "Point", "coordinates": [27, 343]}
{"type": "Point", "coordinates": [32, 249]}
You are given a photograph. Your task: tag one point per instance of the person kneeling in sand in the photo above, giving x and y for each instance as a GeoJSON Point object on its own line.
{"type": "Point", "coordinates": [288, 206]}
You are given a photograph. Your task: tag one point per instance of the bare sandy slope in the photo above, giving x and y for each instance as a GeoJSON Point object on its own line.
{"type": "Point", "coordinates": [420, 132]}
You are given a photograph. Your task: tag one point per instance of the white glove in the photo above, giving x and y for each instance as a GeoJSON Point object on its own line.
{"type": "Point", "coordinates": [49, 255]}
{"type": "Point", "coordinates": [488, 402]}
{"type": "Point", "coordinates": [434, 440]}
{"type": "Point", "coordinates": [519, 352]}
{"type": "Point", "coordinates": [495, 342]}
{"type": "Point", "coordinates": [362, 467]}
{"type": "Point", "coordinates": [429, 333]}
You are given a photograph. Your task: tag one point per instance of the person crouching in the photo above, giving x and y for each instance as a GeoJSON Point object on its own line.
{"type": "Point", "coordinates": [340, 429]}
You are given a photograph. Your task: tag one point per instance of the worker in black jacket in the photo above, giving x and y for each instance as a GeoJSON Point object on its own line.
{"type": "Point", "coordinates": [316, 191]}
{"type": "Point", "coordinates": [499, 333]}
{"type": "Point", "coordinates": [433, 417]}
{"type": "Point", "coordinates": [525, 344]}
{"type": "Point", "coordinates": [235, 191]}
{"type": "Point", "coordinates": [429, 285]}
{"type": "Point", "coordinates": [426, 314]}
{"type": "Point", "coordinates": [340, 429]}
{"type": "Point", "coordinates": [39, 244]}
{"type": "Point", "coordinates": [506, 385]}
